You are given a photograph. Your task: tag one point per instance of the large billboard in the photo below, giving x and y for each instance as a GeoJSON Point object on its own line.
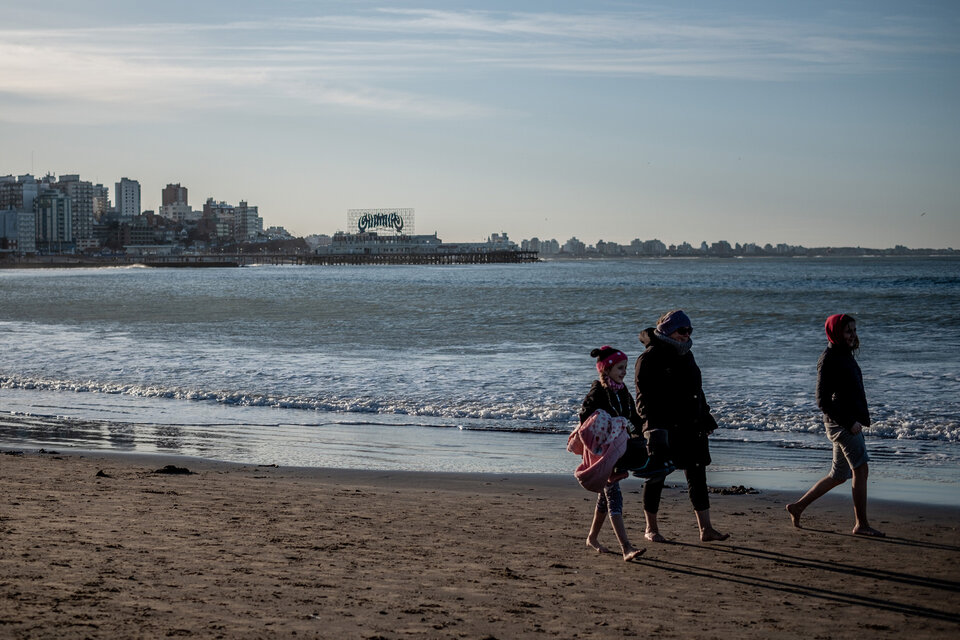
{"type": "Point", "coordinates": [383, 221]}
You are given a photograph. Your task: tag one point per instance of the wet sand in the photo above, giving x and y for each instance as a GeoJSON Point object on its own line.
{"type": "Point", "coordinates": [238, 551]}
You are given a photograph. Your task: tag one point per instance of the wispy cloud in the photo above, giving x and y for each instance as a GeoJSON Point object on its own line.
{"type": "Point", "coordinates": [381, 60]}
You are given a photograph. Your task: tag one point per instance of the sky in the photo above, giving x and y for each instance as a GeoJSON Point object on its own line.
{"type": "Point", "coordinates": [812, 123]}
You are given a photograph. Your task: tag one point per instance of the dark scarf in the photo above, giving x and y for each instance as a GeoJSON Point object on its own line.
{"type": "Point", "coordinates": [682, 348]}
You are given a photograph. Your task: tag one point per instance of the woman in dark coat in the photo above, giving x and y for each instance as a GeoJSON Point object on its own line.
{"type": "Point", "coordinates": [841, 397]}
{"type": "Point", "coordinates": [670, 397]}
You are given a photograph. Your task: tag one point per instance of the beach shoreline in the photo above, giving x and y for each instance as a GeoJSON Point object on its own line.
{"type": "Point", "coordinates": [234, 550]}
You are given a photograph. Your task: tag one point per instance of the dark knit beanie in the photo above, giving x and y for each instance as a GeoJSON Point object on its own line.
{"type": "Point", "coordinates": [673, 320]}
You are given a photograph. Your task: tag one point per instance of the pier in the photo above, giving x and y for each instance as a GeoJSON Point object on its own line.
{"type": "Point", "coordinates": [246, 259]}
{"type": "Point", "coordinates": [465, 257]}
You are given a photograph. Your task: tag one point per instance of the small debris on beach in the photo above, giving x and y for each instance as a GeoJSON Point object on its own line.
{"type": "Point", "coordinates": [739, 490]}
{"type": "Point", "coordinates": [102, 474]}
{"type": "Point", "coordinates": [174, 470]}
{"type": "Point", "coordinates": [13, 453]}
{"type": "Point", "coordinates": [52, 453]}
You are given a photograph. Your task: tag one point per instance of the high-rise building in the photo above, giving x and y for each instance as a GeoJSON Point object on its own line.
{"type": "Point", "coordinates": [174, 204]}
{"type": "Point", "coordinates": [17, 232]}
{"type": "Point", "coordinates": [219, 217]}
{"type": "Point", "coordinates": [11, 193]}
{"type": "Point", "coordinates": [18, 193]}
{"type": "Point", "coordinates": [101, 201]}
{"type": "Point", "coordinates": [247, 223]}
{"type": "Point", "coordinates": [174, 194]}
{"type": "Point", "coordinates": [84, 197]}
{"type": "Point", "coordinates": [127, 197]}
{"type": "Point", "coordinates": [54, 221]}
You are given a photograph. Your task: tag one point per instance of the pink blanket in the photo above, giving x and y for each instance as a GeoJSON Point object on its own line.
{"type": "Point", "coordinates": [601, 440]}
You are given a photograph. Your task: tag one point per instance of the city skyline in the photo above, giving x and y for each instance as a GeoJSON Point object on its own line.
{"type": "Point", "coordinates": [826, 124]}
{"type": "Point", "coordinates": [174, 206]}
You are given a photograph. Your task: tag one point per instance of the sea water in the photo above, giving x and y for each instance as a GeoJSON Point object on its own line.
{"type": "Point", "coordinates": [474, 368]}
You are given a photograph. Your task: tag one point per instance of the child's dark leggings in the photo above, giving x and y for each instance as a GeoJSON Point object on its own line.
{"type": "Point", "coordinates": [696, 487]}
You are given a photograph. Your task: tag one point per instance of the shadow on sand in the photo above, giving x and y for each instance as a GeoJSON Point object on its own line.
{"type": "Point", "coordinates": [778, 560]}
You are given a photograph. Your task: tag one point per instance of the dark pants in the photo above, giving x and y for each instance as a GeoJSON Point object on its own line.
{"type": "Point", "coordinates": [696, 487]}
{"type": "Point", "coordinates": [610, 499]}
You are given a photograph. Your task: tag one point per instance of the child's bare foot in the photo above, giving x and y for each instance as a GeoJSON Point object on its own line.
{"type": "Point", "coordinates": [654, 536]}
{"type": "Point", "coordinates": [794, 514]}
{"type": "Point", "coordinates": [596, 546]}
{"type": "Point", "coordinates": [868, 531]}
{"type": "Point", "coordinates": [630, 553]}
{"type": "Point", "coordinates": [712, 535]}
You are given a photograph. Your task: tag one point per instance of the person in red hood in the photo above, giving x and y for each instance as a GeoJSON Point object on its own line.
{"type": "Point", "coordinates": [841, 397]}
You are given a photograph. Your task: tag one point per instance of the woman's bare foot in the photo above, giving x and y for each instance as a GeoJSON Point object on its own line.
{"type": "Point", "coordinates": [712, 535]}
{"type": "Point", "coordinates": [868, 531]}
{"type": "Point", "coordinates": [630, 553]}
{"type": "Point", "coordinates": [654, 536]}
{"type": "Point", "coordinates": [596, 546]}
{"type": "Point", "coordinates": [794, 512]}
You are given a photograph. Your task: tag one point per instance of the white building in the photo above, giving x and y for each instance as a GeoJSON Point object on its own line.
{"type": "Point", "coordinates": [179, 212]}
{"type": "Point", "coordinates": [127, 197]}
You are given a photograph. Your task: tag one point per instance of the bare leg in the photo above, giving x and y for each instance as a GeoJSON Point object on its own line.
{"type": "Point", "coordinates": [822, 486]}
{"type": "Point", "coordinates": [707, 532]}
{"type": "Point", "coordinates": [595, 526]}
{"type": "Point", "coordinates": [652, 532]}
{"type": "Point", "coordinates": [629, 552]}
{"type": "Point", "coordinates": [861, 527]}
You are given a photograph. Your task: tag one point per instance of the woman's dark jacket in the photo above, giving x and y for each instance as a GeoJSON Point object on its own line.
{"type": "Point", "coordinates": [616, 403]}
{"type": "Point", "coordinates": [840, 393]}
{"type": "Point", "coordinates": [670, 396]}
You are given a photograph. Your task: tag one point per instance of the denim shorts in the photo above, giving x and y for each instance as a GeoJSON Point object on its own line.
{"type": "Point", "coordinates": [849, 452]}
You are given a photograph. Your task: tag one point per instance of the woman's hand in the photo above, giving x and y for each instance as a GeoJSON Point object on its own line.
{"type": "Point", "coordinates": [856, 428]}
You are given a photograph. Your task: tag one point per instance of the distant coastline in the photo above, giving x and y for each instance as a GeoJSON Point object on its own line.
{"type": "Point", "coordinates": [824, 252]}
{"type": "Point", "coordinates": [573, 249]}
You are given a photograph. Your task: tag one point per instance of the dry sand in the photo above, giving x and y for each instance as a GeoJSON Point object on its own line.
{"type": "Point", "coordinates": [235, 551]}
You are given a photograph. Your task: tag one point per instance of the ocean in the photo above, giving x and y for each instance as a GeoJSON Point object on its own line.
{"type": "Point", "coordinates": [476, 368]}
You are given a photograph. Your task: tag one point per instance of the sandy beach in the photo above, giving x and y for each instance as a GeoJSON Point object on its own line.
{"type": "Point", "coordinates": [102, 546]}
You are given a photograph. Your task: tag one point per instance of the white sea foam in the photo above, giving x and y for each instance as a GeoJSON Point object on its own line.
{"type": "Point", "coordinates": [492, 415]}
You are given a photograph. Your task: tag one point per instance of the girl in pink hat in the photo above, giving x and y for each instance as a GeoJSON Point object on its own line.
{"type": "Point", "coordinates": [608, 419]}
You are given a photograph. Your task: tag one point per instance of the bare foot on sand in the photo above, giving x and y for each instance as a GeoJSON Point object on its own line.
{"type": "Point", "coordinates": [794, 514]}
{"type": "Point", "coordinates": [868, 531]}
{"type": "Point", "coordinates": [630, 553]}
{"type": "Point", "coordinates": [712, 535]}
{"type": "Point", "coordinates": [596, 546]}
{"type": "Point", "coordinates": [654, 536]}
